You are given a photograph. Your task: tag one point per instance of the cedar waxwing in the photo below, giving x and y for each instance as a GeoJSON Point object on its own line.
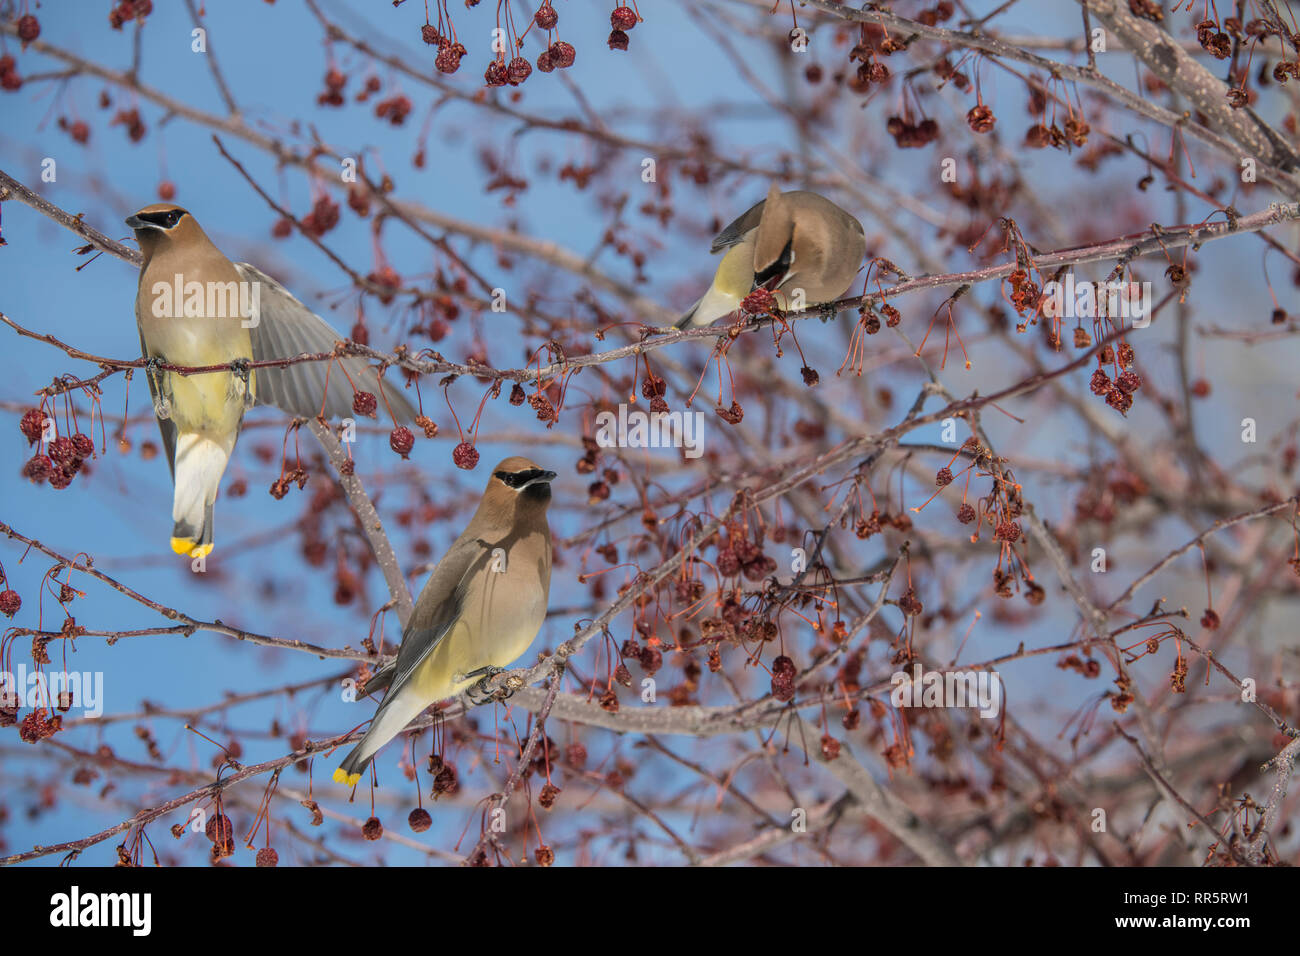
{"type": "Point", "coordinates": [195, 307]}
{"type": "Point", "coordinates": [794, 240]}
{"type": "Point", "coordinates": [480, 609]}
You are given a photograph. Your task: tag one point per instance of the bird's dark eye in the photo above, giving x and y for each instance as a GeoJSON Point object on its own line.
{"type": "Point", "coordinates": [173, 218]}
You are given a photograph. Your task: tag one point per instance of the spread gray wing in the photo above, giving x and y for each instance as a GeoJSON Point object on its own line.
{"type": "Point", "coordinates": [736, 231]}
{"type": "Point", "coordinates": [288, 328]}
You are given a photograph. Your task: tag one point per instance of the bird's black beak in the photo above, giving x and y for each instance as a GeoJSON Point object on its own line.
{"type": "Point", "coordinates": [136, 223]}
{"type": "Point", "coordinates": [538, 477]}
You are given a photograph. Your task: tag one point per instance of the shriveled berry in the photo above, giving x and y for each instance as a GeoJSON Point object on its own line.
{"type": "Point", "coordinates": [731, 415]}
{"type": "Point", "coordinates": [783, 674]}
{"type": "Point", "coordinates": [547, 796]}
{"type": "Point", "coordinates": [465, 456]}
{"type": "Point", "coordinates": [372, 829]}
{"type": "Point", "coordinates": [267, 856]}
{"type": "Point", "coordinates": [10, 602]}
{"type": "Point", "coordinates": [82, 445]}
{"type": "Point", "coordinates": [651, 659]}
{"type": "Point", "coordinates": [759, 302]}
{"type": "Point", "coordinates": [495, 75]}
{"type": "Point", "coordinates": [219, 828]}
{"type": "Point", "coordinates": [617, 40]}
{"type": "Point", "coordinates": [38, 468]}
{"type": "Point", "coordinates": [544, 61]}
{"type": "Point", "coordinates": [981, 118]}
{"type": "Point", "coordinates": [518, 70]}
{"type": "Point", "coordinates": [401, 441]}
{"type": "Point", "coordinates": [623, 18]}
{"type": "Point", "coordinates": [429, 426]}
{"type": "Point", "coordinates": [32, 425]}
{"type": "Point", "coordinates": [365, 403]}
{"type": "Point", "coordinates": [29, 28]}
{"type": "Point", "coordinates": [419, 820]}
{"type": "Point", "coordinates": [563, 54]}
{"type": "Point", "coordinates": [546, 17]}
{"type": "Point", "coordinates": [61, 450]}
{"type": "Point", "coordinates": [449, 57]}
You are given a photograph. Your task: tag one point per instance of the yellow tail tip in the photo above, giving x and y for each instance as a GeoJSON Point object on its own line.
{"type": "Point", "coordinates": [345, 778]}
{"type": "Point", "coordinates": [187, 547]}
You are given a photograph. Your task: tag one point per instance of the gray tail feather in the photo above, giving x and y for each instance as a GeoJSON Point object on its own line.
{"type": "Point", "coordinates": [685, 320]}
{"type": "Point", "coordinates": [200, 536]}
{"type": "Point", "coordinates": [381, 678]}
{"type": "Point", "coordinates": [354, 762]}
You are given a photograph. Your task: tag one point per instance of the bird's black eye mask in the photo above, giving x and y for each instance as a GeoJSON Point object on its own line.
{"type": "Point", "coordinates": [164, 220]}
{"type": "Point", "coordinates": [778, 268]}
{"type": "Point", "coordinates": [520, 479]}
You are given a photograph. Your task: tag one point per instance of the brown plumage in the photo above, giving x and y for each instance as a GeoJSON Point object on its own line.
{"type": "Point", "coordinates": [194, 307]}
{"type": "Point", "coordinates": [791, 241]}
{"type": "Point", "coordinates": [480, 609]}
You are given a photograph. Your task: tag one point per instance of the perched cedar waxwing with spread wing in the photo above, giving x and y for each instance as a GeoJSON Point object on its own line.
{"type": "Point", "coordinates": [195, 307]}
{"type": "Point", "coordinates": [794, 240]}
{"type": "Point", "coordinates": [481, 608]}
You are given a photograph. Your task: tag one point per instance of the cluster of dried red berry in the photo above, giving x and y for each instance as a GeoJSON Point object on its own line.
{"type": "Point", "coordinates": [135, 128]}
{"type": "Point", "coordinates": [323, 217]}
{"type": "Point", "coordinates": [912, 135]}
{"type": "Point", "coordinates": [129, 10]}
{"type": "Point", "coordinates": [621, 20]}
{"type": "Point", "coordinates": [62, 458]}
{"type": "Point", "coordinates": [1119, 394]}
{"type": "Point", "coordinates": [444, 776]}
{"type": "Point", "coordinates": [333, 92]}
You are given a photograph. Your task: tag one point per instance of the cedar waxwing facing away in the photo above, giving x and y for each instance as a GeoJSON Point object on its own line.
{"type": "Point", "coordinates": [794, 240]}
{"type": "Point", "coordinates": [481, 608]}
{"type": "Point", "coordinates": [233, 314]}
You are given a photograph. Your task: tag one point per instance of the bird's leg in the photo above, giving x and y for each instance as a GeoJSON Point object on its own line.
{"type": "Point", "coordinates": [478, 693]}
{"type": "Point", "coordinates": [154, 375]}
{"type": "Point", "coordinates": [242, 369]}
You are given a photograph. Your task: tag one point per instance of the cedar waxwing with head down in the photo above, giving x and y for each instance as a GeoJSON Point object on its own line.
{"type": "Point", "coordinates": [789, 241]}
{"type": "Point", "coordinates": [194, 307]}
{"type": "Point", "coordinates": [480, 609]}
